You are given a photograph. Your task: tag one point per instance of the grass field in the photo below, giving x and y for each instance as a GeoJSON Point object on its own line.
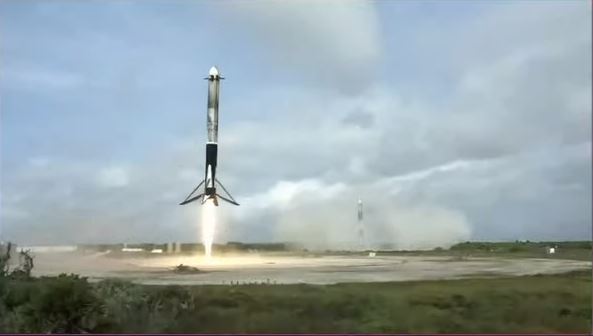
{"type": "Point", "coordinates": [572, 250]}
{"type": "Point", "coordinates": [537, 304]}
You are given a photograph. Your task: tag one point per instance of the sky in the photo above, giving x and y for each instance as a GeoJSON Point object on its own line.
{"type": "Point", "coordinates": [451, 120]}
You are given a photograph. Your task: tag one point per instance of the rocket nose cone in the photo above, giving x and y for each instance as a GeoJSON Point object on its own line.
{"type": "Point", "coordinates": [213, 71]}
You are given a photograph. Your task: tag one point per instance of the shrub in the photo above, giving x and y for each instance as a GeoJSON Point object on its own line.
{"type": "Point", "coordinates": [65, 304]}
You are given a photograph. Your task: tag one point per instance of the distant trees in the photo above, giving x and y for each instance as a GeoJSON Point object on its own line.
{"type": "Point", "coordinates": [5, 251]}
{"type": "Point", "coordinates": [24, 268]}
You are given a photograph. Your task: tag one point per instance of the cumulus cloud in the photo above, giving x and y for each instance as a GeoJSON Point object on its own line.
{"type": "Point", "coordinates": [39, 161]}
{"type": "Point", "coordinates": [113, 177]}
{"type": "Point", "coordinates": [73, 202]}
{"type": "Point", "coordinates": [506, 155]}
{"type": "Point", "coordinates": [28, 77]}
{"type": "Point", "coordinates": [334, 43]}
{"type": "Point", "coordinates": [525, 79]}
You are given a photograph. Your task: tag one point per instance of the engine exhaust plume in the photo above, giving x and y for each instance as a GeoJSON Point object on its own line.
{"type": "Point", "coordinates": [208, 226]}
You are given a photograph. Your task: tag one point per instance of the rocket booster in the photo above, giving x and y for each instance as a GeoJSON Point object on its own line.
{"type": "Point", "coordinates": [361, 234]}
{"type": "Point", "coordinates": [210, 181]}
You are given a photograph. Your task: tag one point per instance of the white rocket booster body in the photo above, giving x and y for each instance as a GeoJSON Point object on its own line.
{"type": "Point", "coordinates": [210, 180]}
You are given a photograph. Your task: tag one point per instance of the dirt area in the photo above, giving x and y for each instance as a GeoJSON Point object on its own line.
{"type": "Point", "coordinates": [291, 269]}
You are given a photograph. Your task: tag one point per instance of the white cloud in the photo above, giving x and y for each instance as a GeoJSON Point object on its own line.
{"type": "Point", "coordinates": [495, 158]}
{"type": "Point", "coordinates": [330, 42]}
{"type": "Point", "coordinates": [113, 177]}
{"type": "Point", "coordinates": [39, 161]}
{"type": "Point", "coordinates": [39, 78]}
{"type": "Point", "coordinates": [322, 215]}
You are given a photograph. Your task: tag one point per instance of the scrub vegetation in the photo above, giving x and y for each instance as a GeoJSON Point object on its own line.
{"type": "Point", "coordinates": [69, 303]}
{"type": "Point", "coordinates": [573, 250]}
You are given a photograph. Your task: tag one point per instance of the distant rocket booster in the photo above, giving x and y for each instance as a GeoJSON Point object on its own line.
{"type": "Point", "coordinates": [361, 234]}
{"type": "Point", "coordinates": [210, 180]}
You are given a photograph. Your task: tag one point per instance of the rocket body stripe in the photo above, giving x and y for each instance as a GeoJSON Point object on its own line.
{"type": "Point", "coordinates": [211, 161]}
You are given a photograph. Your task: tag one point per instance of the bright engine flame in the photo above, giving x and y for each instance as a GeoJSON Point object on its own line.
{"type": "Point", "coordinates": [208, 225]}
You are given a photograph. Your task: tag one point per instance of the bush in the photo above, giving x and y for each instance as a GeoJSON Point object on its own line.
{"type": "Point", "coordinates": [516, 248]}
{"type": "Point", "coordinates": [65, 304]}
{"type": "Point", "coordinates": [69, 304]}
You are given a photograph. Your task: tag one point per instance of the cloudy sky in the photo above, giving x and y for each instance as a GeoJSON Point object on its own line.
{"type": "Point", "coordinates": [450, 120]}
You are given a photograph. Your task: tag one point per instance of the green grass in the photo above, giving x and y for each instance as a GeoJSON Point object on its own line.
{"type": "Point", "coordinates": [570, 250]}
{"type": "Point", "coordinates": [572, 254]}
{"type": "Point", "coordinates": [536, 304]}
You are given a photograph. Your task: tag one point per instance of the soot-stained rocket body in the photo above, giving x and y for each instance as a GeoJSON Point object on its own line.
{"type": "Point", "coordinates": [210, 182]}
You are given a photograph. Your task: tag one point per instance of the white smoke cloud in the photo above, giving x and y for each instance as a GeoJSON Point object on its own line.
{"type": "Point", "coordinates": [321, 215]}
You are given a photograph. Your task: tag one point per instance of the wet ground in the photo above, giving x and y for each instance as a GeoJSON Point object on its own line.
{"type": "Point", "coordinates": [291, 269]}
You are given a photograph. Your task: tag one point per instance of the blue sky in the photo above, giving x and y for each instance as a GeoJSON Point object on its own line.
{"type": "Point", "coordinates": [453, 120]}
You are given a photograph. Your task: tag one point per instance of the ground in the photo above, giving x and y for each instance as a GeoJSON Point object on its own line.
{"type": "Point", "coordinates": [283, 268]}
